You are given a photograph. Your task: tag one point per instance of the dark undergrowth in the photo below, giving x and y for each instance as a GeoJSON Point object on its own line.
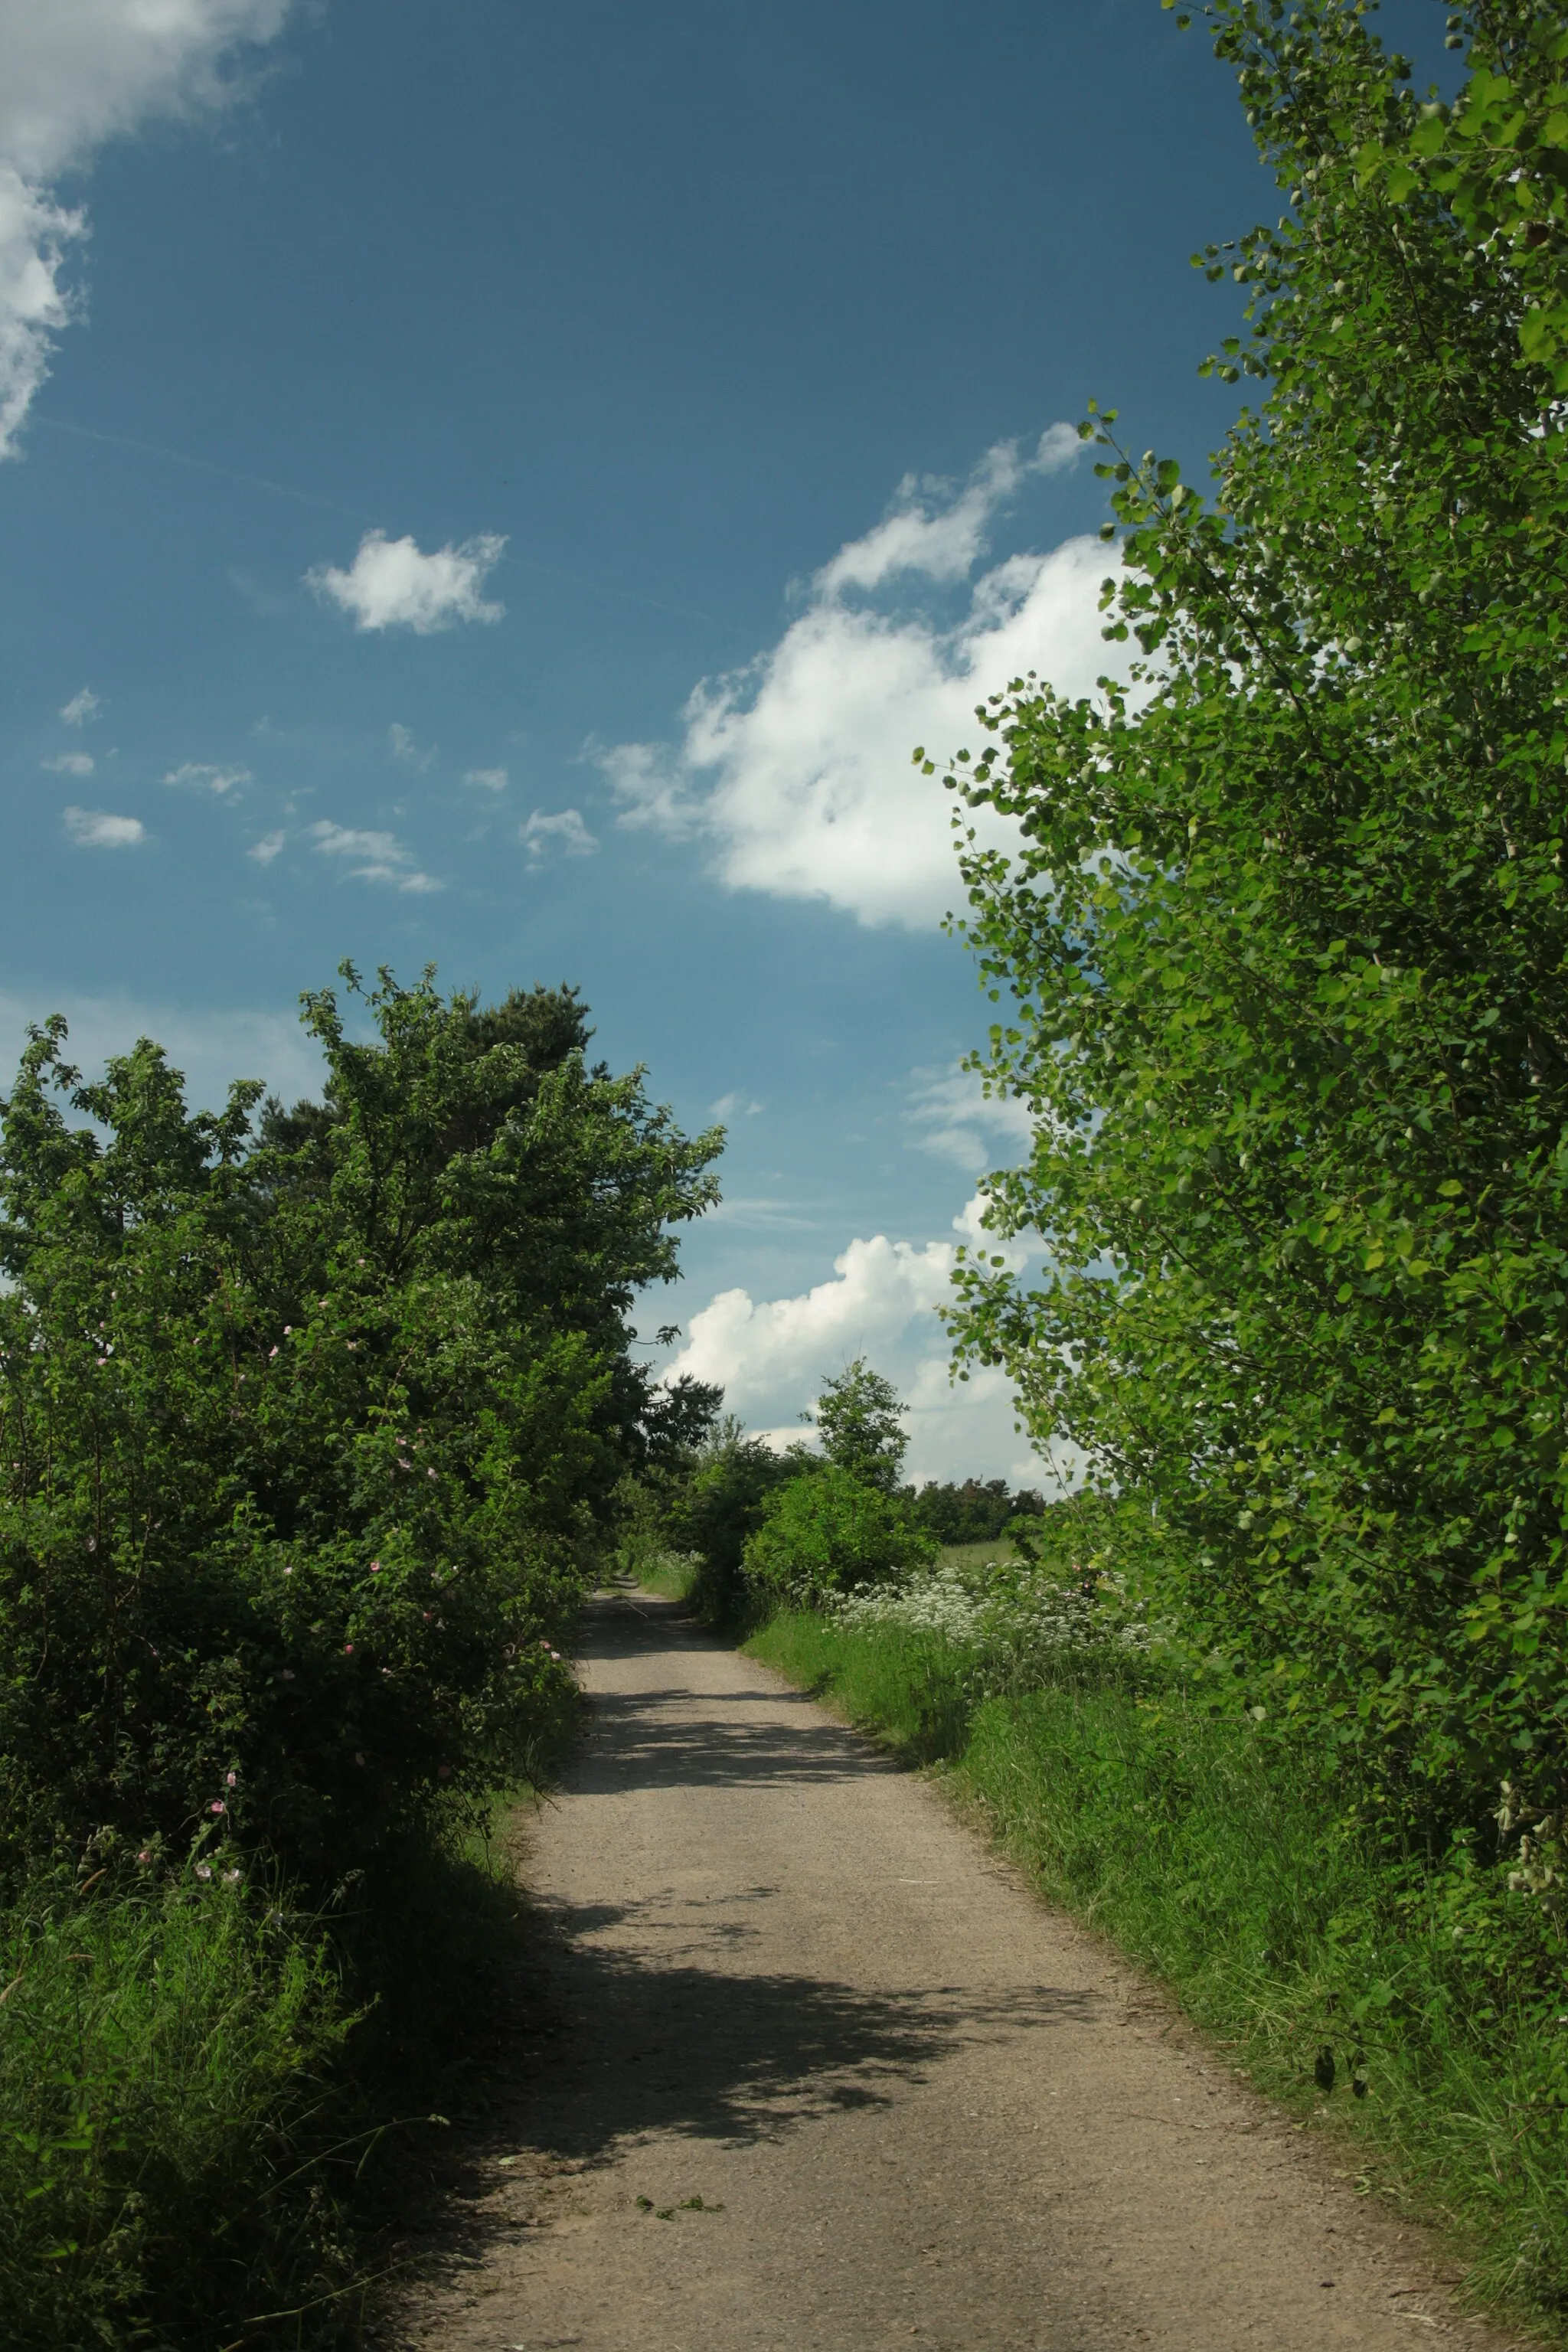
{"type": "Point", "coordinates": [217, 2107]}
{"type": "Point", "coordinates": [1419, 2011]}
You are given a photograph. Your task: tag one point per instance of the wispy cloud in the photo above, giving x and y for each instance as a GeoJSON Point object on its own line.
{"type": "Point", "coordinates": [393, 584]}
{"type": "Point", "coordinates": [489, 780]}
{"type": "Point", "coordinates": [74, 73]}
{"type": "Point", "coordinates": [401, 743]}
{"type": "Point", "coordinates": [70, 763]}
{"type": "Point", "coordinates": [382, 857]}
{"type": "Point", "coordinates": [211, 1047]}
{"type": "Point", "coordinates": [562, 832]}
{"type": "Point", "coordinates": [956, 1120]}
{"type": "Point", "coordinates": [97, 829]}
{"type": "Point", "coordinates": [796, 772]}
{"type": "Point", "coordinates": [197, 776]}
{"type": "Point", "coordinates": [733, 1106]}
{"type": "Point", "coordinates": [82, 706]}
{"type": "Point", "coordinates": [265, 850]}
{"type": "Point", "coordinates": [937, 531]}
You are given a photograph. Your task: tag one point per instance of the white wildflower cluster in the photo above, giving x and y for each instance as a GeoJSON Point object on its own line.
{"type": "Point", "coordinates": [1541, 1871]}
{"type": "Point", "coordinates": [1011, 1617]}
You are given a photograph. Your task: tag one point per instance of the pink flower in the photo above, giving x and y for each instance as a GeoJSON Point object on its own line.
{"type": "Point", "coordinates": [145, 1854]}
{"type": "Point", "coordinates": [100, 1361]}
{"type": "Point", "coordinates": [375, 1567]}
{"type": "Point", "coordinates": [271, 1354]}
{"type": "Point", "coordinates": [429, 1474]}
{"type": "Point", "coordinates": [347, 1647]}
{"type": "Point", "coordinates": [288, 1330]}
{"type": "Point", "coordinates": [287, 1675]}
{"type": "Point", "coordinates": [232, 1779]}
{"type": "Point", "coordinates": [217, 1806]}
{"type": "Point", "coordinates": [288, 1571]}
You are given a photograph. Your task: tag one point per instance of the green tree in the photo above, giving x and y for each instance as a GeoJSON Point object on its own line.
{"type": "Point", "coordinates": [1281, 954]}
{"type": "Point", "coordinates": [827, 1532]}
{"type": "Point", "coordinates": [860, 1422]}
{"type": "Point", "coordinates": [307, 1438]}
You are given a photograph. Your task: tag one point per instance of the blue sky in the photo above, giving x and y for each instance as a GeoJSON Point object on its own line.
{"type": "Point", "coordinates": [506, 484]}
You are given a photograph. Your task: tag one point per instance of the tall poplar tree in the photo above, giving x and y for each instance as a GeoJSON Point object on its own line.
{"type": "Point", "coordinates": [1281, 954]}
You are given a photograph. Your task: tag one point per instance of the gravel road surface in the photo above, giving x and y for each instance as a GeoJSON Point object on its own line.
{"type": "Point", "coordinates": [817, 2069]}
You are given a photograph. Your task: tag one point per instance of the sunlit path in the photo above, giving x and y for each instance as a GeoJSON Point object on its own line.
{"type": "Point", "coordinates": [784, 1981]}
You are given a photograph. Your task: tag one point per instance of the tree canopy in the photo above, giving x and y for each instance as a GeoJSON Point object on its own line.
{"type": "Point", "coordinates": [311, 1420]}
{"type": "Point", "coordinates": [1280, 956]}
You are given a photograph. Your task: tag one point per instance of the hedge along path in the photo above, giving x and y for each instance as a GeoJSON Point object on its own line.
{"type": "Point", "coordinates": [815, 2068]}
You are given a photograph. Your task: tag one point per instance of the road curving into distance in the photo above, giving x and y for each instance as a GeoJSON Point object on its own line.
{"type": "Point", "coordinates": [815, 2068]}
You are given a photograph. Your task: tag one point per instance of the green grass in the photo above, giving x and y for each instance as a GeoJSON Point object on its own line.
{"type": "Point", "coordinates": [208, 2102]}
{"type": "Point", "coordinates": [1229, 1869]}
{"type": "Point", "coordinates": [165, 2099]}
{"type": "Point", "coordinates": [977, 1555]}
{"type": "Point", "coordinates": [673, 1575]}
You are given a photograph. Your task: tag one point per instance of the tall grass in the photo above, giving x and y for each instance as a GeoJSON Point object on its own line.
{"type": "Point", "coordinates": [165, 2101]}
{"type": "Point", "coordinates": [206, 2095]}
{"type": "Point", "coordinates": [1232, 1869]}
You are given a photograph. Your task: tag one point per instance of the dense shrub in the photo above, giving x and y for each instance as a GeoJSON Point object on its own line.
{"type": "Point", "coordinates": [976, 1512]}
{"type": "Point", "coordinates": [827, 1532]}
{"type": "Point", "coordinates": [713, 1511]}
{"type": "Point", "coordinates": [309, 1424]}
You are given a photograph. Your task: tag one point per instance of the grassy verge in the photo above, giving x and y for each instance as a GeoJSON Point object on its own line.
{"type": "Point", "coordinates": [208, 2098]}
{"type": "Point", "coordinates": [1229, 1870]}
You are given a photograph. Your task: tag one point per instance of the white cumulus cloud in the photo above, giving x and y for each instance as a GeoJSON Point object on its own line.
{"type": "Point", "coordinates": [265, 850]}
{"type": "Point", "coordinates": [199, 776]}
{"type": "Point", "coordinates": [794, 772]}
{"type": "Point", "coordinates": [381, 857]}
{"type": "Point", "coordinates": [72, 74]}
{"type": "Point", "coordinates": [489, 780]}
{"type": "Point", "coordinates": [82, 706]}
{"type": "Point", "coordinates": [561, 831]}
{"type": "Point", "coordinates": [97, 829]}
{"type": "Point", "coordinates": [393, 584]}
{"type": "Point", "coordinates": [70, 763]}
{"type": "Point", "coordinates": [770, 1355]}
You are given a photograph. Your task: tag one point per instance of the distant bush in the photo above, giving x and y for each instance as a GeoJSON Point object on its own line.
{"type": "Point", "coordinates": [720, 1508]}
{"type": "Point", "coordinates": [828, 1532]}
{"type": "Point", "coordinates": [976, 1512]}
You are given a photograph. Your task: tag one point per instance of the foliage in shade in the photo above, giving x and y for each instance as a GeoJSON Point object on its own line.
{"type": "Point", "coordinates": [974, 1512]}
{"type": "Point", "coordinates": [1283, 949]}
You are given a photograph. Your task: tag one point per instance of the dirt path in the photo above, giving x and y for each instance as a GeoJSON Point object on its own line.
{"type": "Point", "coordinates": [917, 2107]}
